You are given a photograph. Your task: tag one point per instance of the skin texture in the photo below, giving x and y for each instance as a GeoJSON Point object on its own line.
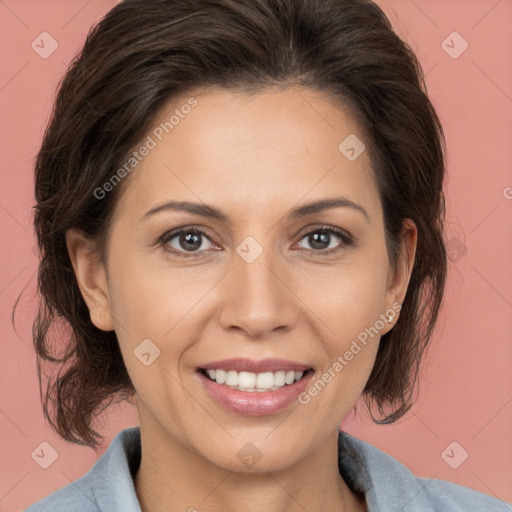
{"type": "Point", "coordinates": [255, 158]}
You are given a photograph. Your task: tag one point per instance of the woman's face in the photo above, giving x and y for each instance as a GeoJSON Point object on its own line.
{"type": "Point", "coordinates": [253, 285]}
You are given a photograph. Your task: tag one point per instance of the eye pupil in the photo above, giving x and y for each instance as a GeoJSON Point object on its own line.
{"type": "Point", "coordinates": [319, 237]}
{"type": "Point", "coordinates": [190, 237]}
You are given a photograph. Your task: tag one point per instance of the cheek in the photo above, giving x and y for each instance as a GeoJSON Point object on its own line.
{"type": "Point", "coordinates": [150, 320]}
{"type": "Point", "coordinates": [149, 296]}
{"type": "Point", "coordinates": [347, 299]}
{"type": "Point", "coordinates": [350, 305]}
{"type": "Point", "coordinates": [350, 334]}
{"type": "Point", "coordinates": [145, 305]}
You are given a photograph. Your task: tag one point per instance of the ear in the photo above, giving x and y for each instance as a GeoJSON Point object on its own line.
{"type": "Point", "coordinates": [399, 276]}
{"type": "Point", "coordinates": [91, 277]}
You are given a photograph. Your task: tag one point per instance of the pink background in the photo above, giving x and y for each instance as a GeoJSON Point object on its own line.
{"type": "Point", "coordinates": [466, 390]}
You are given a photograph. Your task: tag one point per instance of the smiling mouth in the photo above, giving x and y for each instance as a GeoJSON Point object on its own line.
{"type": "Point", "coordinates": [255, 382]}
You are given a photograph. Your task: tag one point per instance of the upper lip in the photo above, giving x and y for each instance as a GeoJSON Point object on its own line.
{"type": "Point", "coordinates": [261, 366]}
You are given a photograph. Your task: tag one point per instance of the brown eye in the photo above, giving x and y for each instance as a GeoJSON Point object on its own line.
{"type": "Point", "coordinates": [187, 240]}
{"type": "Point", "coordinates": [326, 239]}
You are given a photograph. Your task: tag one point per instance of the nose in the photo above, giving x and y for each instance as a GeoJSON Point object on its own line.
{"type": "Point", "coordinates": [258, 298]}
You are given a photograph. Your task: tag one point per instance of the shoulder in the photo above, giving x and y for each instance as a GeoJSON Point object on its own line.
{"type": "Point", "coordinates": [64, 499]}
{"type": "Point", "coordinates": [108, 485]}
{"type": "Point", "coordinates": [389, 486]}
{"type": "Point", "coordinates": [447, 496]}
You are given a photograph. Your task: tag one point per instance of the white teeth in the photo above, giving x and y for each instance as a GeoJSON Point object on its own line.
{"type": "Point", "coordinates": [232, 378]}
{"type": "Point", "coordinates": [247, 381]}
{"type": "Point", "coordinates": [265, 380]}
{"type": "Point", "coordinates": [280, 378]}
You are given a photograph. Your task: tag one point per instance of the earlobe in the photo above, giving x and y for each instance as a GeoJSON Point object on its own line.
{"type": "Point", "coordinates": [91, 277]}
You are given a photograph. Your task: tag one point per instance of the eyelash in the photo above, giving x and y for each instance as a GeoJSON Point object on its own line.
{"type": "Point", "coordinates": [346, 240]}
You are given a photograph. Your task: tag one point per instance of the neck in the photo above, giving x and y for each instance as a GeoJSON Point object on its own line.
{"type": "Point", "coordinates": [172, 477]}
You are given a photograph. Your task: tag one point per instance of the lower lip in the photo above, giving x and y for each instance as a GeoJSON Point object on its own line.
{"type": "Point", "coordinates": [255, 403]}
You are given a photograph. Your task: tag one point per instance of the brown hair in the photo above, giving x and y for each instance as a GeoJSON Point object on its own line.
{"type": "Point", "coordinates": [142, 54]}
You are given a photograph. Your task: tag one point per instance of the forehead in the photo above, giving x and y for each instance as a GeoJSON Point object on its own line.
{"type": "Point", "coordinates": [247, 152]}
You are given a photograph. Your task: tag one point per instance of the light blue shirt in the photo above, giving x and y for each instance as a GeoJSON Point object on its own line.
{"type": "Point", "coordinates": [386, 483]}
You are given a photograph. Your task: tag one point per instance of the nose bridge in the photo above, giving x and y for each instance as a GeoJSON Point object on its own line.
{"type": "Point", "coordinates": [257, 299]}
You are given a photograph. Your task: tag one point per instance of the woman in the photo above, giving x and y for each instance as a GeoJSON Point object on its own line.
{"type": "Point", "coordinates": [240, 212]}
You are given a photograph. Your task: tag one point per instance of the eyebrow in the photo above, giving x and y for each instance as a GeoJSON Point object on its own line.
{"type": "Point", "coordinates": [212, 212]}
